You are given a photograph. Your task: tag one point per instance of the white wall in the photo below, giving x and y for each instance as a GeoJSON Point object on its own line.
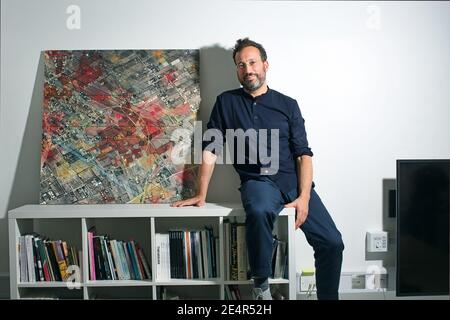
{"type": "Point", "coordinates": [372, 81]}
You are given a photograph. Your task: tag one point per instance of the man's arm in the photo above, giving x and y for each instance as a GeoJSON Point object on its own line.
{"type": "Point", "coordinates": [305, 177]}
{"type": "Point", "coordinates": [206, 171]}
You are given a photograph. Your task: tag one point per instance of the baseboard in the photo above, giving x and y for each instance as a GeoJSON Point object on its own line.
{"type": "Point", "coordinates": [4, 285]}
{"type": "Point", "coordinates": [370, 295]}
{"type": "Point", "coordinates": [351, 295]}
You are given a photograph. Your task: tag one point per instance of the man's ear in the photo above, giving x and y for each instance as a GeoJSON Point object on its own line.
{"type": "Point", "coordinates": [266, 66]}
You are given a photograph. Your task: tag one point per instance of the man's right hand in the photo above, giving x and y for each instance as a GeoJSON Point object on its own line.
{"type": "Point", "coordinates": [206, 170]}
{"type": "Point", "coordinates": [197, 201]}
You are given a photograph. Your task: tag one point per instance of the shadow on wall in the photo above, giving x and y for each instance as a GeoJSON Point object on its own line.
{"type": "Point", "coordinates": [217, 74]}
{"type": "Point", "coordinates": [25, 188]}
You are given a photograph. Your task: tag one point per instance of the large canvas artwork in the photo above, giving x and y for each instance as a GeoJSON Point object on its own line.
{"type": "Point", "coordinates": [108, 119]}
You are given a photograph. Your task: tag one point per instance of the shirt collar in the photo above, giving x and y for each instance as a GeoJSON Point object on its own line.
{"type": "Point", "coordinates": [261, 96]}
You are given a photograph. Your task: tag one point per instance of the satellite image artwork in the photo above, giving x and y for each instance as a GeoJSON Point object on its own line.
{"type": "Point", "coordinates": [108, 118]}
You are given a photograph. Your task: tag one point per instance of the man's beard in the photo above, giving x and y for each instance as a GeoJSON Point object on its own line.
{"type": "Point", "coordinates": [253, 85]}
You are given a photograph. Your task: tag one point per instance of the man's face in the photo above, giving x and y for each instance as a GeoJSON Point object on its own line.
{"type": "Point", "coordinates": [251, 70]}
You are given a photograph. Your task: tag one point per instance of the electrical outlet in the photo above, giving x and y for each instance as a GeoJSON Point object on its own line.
{"type": "Point", "coordinates": [359, 281]}
{"type": "Point", "coordinates": [376, 241]}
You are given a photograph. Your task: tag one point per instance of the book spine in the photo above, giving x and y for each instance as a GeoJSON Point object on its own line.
{"type": "Point", "coordinates": [241, 253]}
{"type": "Point", "coordinates": [93, 275]}
{"type": "Point", "coordinates": [23, 259]}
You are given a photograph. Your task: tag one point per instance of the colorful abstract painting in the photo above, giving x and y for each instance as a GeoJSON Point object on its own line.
{"type": "Point", "coordinates": [108, 119]}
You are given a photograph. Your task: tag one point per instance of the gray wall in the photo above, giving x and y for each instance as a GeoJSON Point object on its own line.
{"type": "Point", "coordinates": [371, 78]}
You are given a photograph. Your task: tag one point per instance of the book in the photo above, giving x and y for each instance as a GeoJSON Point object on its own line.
{"type": "Point", "coordinates": [241, 252]}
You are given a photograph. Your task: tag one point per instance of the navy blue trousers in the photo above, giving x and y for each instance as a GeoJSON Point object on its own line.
{"type": "Point", "coordinates": [263, 201]}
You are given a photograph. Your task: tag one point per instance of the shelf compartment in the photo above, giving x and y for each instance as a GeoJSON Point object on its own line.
{"type": "Point", "coordinates": [242, 291]}
{"type": "Point", "coordinates": [180, 292]}
{"type": "Point", "coordinates": [50, 293]}
{"type": "Point", "coordinates": [202, 247]}
{"type": "Point", "coordinates": [53, 229]}
{"type": "Point", "coordinates": [122, 293]}
{"type": "Point", "coordinates": [123, 230]}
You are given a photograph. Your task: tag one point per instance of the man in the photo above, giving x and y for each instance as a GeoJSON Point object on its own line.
{"type": "Point", "coordinates": [265, 192]}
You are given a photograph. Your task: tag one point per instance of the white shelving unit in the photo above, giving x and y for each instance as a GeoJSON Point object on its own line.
{"type": "Point", "coordinates": [139, 222]}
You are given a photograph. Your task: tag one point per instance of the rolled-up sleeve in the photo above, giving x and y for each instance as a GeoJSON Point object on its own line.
{"type": "Point", "coordinates": [297, 133]}
{"type": "Point", "coordinates": [216, 122]}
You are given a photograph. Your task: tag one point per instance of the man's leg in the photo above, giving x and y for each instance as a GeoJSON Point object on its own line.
{"type": "Point", "coordinates": [262, 202]}
{"type": "Point", "coordinates": [322, 234]}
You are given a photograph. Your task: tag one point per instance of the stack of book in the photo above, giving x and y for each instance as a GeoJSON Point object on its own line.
{"type": "Point", "coordinates": [236, 256]}
{"type": "Point", "coordinates": [111, 259]}
{"type": "Point", "coordinates": [42, 259]}
{"type": "Point", "coordinates": [186, 254]}
{"type": "Point", "coordinates": [235, 247]}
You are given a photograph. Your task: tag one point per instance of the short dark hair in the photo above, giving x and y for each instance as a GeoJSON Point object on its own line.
{"type": "Point", "coordinates": [246, 42]}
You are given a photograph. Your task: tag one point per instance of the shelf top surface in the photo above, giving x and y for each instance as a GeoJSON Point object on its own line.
{"type": "Point", "coordinates": [130, 210]}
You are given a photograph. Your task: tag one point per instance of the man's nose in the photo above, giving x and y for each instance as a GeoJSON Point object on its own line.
{"type": "Point", "coordinates": [248, 69]}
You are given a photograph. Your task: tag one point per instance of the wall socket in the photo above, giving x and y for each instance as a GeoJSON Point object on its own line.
{"type": "Point", "coordinates": [359, 281]}
{"type": "Point", "coordinates": [376, 241]}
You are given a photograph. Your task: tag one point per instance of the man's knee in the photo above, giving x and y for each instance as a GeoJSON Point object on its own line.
{"type": "Point", "coordinates": [334, 244]}
{"type": "Point", "coordinates": [257, 210]}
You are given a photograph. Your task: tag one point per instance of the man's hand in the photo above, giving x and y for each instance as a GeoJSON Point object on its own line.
{"type": "Point", "coordinates": [301, 205]}
{"type": "Point", "coordinates": [195, 201]}
{"type": "Point", "coordinates": [206, 170]}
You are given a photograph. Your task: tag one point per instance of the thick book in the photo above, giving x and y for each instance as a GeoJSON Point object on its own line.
{"type": "Point", "coordinates": [91, 258]}
{"type": "Point", "coordinates": [144, 261]}
{"type": "Point", "coordinates": [241, 252]}
{"type": "Point", "coordinates": [62, 265]}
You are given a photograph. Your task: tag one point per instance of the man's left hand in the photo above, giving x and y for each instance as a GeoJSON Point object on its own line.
{"type": "Point", "coordinates": [301, 206]}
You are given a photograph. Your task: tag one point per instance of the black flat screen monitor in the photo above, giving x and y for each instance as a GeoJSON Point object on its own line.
{"type": "Point", "coordinates": [423, 193]}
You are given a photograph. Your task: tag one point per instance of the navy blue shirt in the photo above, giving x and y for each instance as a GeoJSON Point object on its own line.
{"type": "Point", "coordinates": [236, 109]}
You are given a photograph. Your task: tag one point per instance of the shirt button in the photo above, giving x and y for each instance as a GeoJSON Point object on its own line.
{"type": "Point", "coordinates": [254, 103]}
{"type": "Point", "coordinates": [255, 117]}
